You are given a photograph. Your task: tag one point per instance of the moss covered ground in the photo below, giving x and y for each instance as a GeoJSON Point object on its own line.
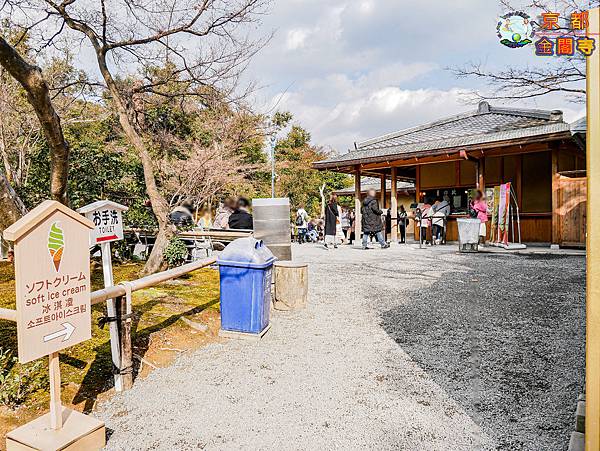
{"type": "Point", "coordinates": [158, 336]}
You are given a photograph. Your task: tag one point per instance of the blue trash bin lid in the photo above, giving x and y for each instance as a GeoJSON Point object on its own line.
{"type": "Point", "coordinates": [246, 253]}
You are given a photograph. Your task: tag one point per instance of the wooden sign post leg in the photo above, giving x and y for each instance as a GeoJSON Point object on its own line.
{"type": "Point", "coordinates": [111, 312]}
{"type": "Point", "coordinates": [592, 377]}
{"type": "Point", "coordinates": [55, 404]}
{"type": "Point", "coordinates": [124, 309]}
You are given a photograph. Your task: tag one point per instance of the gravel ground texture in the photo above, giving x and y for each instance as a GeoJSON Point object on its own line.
{"type": "Point", "coordinates": [399, 349]}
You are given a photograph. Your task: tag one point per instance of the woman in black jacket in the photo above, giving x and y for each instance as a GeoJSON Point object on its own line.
{"type": "Point", "coordinates": [331, 220]}
{"type": "Point", "coordinates": [371, 220]}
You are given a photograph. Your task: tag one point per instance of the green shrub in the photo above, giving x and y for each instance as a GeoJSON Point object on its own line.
{"type": "Point", "coordinates": [176, 252]}
{"type": "Point", "coordinates": [19, 382]}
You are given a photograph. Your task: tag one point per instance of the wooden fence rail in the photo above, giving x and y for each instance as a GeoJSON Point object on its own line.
{"type": "Point", "coordinates": [122, 294]}
{"type": "Point", "coordinates": [149, 281]}
{"type": "Point", "coordinates": [8, 314]}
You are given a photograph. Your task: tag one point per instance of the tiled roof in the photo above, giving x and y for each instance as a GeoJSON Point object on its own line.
{"type": "Point", "coordinates": [485, 125]}
{"type": "Point", "coordinates": [579, 126]}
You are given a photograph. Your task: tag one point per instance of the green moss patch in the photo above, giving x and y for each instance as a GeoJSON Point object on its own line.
{"type": "Point", "coordinates": [86, 368]}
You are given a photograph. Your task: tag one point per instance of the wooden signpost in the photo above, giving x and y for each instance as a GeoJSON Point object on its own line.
{"type": "Point", "coordinates": [592, 378]}
{"type": "Point", "coordinates": [108, 227]}
{"type": "Point", "coordinates": [52, 276]}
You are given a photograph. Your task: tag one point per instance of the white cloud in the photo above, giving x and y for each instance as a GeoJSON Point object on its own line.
{"type": "Point", "coordinates": [339, 110]}
{"type": "Point", "coordinates": [366, 6]}
{"type": "Point", "coordinates": [351, 70]}
{"type": "Point", "coordinates": [296, 38]}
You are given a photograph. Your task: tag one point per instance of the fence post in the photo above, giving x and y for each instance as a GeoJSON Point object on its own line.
{"type": "Point", "coordinates": [124, 323]}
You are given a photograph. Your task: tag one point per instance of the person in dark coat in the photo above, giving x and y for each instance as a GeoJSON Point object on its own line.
{"type": "Point", "coordinates": [241, 217]}
{"type": "Point", "coordinates": [402, 223]}
{"type": "Point", "coordinates": [331, 220]}
{"type": "Point", "coordinates": [371, 220]}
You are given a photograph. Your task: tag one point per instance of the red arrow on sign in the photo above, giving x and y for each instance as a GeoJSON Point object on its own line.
{"type": "Point", "coordinates": [107, 238]}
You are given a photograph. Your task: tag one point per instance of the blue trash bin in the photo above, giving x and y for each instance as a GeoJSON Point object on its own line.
{"type": "Point", "coordinates": [245, 267]}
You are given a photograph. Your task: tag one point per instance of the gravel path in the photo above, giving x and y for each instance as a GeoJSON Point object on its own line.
{"type": "Point", "coordinates": [399, 349]}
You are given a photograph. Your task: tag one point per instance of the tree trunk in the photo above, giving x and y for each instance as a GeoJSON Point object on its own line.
{"type": "Point", "coordinates": [31, 79]}
{"type": "Point", "coordinates": [160, 206]}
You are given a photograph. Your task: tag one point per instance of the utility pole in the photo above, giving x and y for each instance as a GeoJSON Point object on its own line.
{"type": "Point", "coordinates": [273, 140]}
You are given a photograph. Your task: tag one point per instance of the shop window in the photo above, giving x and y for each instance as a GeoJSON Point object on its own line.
{"type": "Point", "coordinates": [458, 198]}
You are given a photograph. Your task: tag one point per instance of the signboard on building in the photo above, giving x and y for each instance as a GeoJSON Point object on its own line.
{"type": "Point", "coordinates": [107, 219]}
{"type": "Point", "coordinates": [52, 276]}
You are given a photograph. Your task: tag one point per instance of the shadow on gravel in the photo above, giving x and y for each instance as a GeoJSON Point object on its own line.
{"type": "Point", "coordinates": [99, 377]}
{"type": "Point", "coordinates": [506, 342]}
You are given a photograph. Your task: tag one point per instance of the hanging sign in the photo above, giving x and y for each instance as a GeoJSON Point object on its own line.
{"type": "Point", "coordinates": [52, 275]}
{"type": "Point", "coordinates": [107, 219]}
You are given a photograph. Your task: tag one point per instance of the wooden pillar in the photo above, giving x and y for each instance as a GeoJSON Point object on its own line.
{"type": "Point", "coordinates": [519, 181]}
{"type": "Point", "coordinates": [416, 230]}
{"type": "Point", "coordinates": [382, 192]}
{"type": "Point", "coordinates": [481, 174]}
{"type": "Point", "coordinates": [357, 205]}
{"type": "Point", "coordinates": [592, 367]}
{"type": "Point", "coordinates": [394, 204]}
{"type": "Point", "coordinates": [555, 201]}
{"type": "Point", "coordinates": [418, 184]}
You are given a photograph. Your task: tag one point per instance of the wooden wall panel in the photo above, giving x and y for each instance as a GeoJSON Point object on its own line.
{"type": "Point", "coordinates": [493, 171]}
{"type": "Point", "coordinates": [536, 183]}
{"type": "Point", "coordinates": [439, 175]}
{"type": "Point", "coordinates": [468, 170]}
{"type": "Point", "coordinates": [536, 229]}
{"type": "Point", "coordinates": [571, 213]}
{"type": "Point", "coordinates": [511, 168]}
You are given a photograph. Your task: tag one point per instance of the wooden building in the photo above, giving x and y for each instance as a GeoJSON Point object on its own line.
{"type": "Point", "coordinates": [405, 191]}
{"type": "Point", "coordinates": [536, 150]}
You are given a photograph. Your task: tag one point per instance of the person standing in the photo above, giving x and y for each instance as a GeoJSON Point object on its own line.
{"type": "Point", "coordinates": [340, 237]}
{"type": "Point", "coordinates": [331, 221]}
{"type": "Point", "coordinates": [439, 213]}
{"type": "Point", "coordinates": [402, 223]}
{"type": "Point", "coordinates": [423, 218]}
{"type": "Point", "coordinates": [302, 224]}
{"type": "Point", "coordinates": [371, 220]}
{"type": "Point", "coordinates": [388, 223]}
{"type": "Point", "coordinates": [480, 206]}
{"type": "Point", "coordinates": [345, 224]}
{"type": "Point", "coordinates": [205, 221]}
{"type": "Point", "coordinates": [241, 219]}
{"type": "Point", "coordinates": [223, 213]}
{"type": "Point", "coordinates": [352, 229]}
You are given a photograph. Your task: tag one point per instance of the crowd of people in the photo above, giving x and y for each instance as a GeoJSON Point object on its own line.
{"type": "Point", "coordinates": [337, 224]}
{"type": "Point", "coordinates": [232, 214]}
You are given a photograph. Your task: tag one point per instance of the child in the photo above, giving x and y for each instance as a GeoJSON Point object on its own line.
{"type": "Point", "coordinates": [479, 205]}
{"type": "Point", "coordinates": [422, 221]}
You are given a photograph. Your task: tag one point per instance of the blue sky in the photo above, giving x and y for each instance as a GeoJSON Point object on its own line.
{"type": "Point", "coordinates": [352, 69]}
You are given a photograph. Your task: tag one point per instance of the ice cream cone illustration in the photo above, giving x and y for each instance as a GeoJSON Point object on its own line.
{"type": "Point", "coordinates": [56, 244]}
